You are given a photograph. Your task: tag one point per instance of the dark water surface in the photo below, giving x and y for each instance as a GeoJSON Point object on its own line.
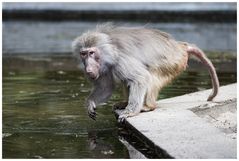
{"type": "Point", "coordinates": [44, 114]}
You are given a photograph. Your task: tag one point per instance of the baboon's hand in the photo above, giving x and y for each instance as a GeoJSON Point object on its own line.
{"type": "Point", "coordinates": [122, 118]}
{"type": "Point", "coordinates": [128, 112]}
{"type": "Point", "coordinates": [91, 107]}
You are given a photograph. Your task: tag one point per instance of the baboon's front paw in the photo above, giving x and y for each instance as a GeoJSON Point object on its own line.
{"type": "Point", "coordinates": [125, 114]}
{"type": "Point", "coordinates": [122, 118]}
{"type": "Point", "coordinates": [91, 109]}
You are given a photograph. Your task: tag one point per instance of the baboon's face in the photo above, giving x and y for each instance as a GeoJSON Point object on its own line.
{"type": "Point", "coordinates": [91, 60]}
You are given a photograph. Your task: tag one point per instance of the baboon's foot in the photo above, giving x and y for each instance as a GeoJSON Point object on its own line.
{"type": "Point", "coordinates": [148, 108]}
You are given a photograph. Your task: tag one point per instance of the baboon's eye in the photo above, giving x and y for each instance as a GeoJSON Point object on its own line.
{"type": "Point", "coordinates": [91, 52]}
{"type": "Point", "coordinates": [83, 53]}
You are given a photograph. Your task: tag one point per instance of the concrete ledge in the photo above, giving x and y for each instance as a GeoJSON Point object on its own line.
{"type": "Point", "coordinates": [180, 127]}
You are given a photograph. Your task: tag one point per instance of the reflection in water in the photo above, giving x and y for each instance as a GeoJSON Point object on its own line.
{"type": "Point", "coordinates": [98, 146]}
{"type": "Point", "coordinates": [133, 153]}
{"type": "Point", "coordinates": [44, 114]}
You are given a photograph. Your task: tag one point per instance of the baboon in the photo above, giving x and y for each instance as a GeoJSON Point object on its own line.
{"type": "Point", "coordinates": [144, 60]}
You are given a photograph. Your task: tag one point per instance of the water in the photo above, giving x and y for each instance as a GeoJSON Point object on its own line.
{"type": "Point", "coordinates": [44, 114]}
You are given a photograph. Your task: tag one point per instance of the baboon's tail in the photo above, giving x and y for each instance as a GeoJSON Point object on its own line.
{"type": "Point", "coordinates": [200, 54]}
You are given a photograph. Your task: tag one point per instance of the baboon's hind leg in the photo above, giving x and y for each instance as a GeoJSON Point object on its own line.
{"type": "Point", "coordinates": [151, 97]}
{"type": "Point", "coordinates": [157, 83]}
